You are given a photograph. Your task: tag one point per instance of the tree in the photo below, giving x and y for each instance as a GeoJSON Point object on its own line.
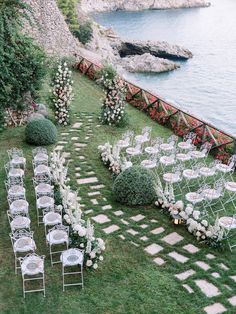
{"type": "Point", "coordinates": [22, 61]}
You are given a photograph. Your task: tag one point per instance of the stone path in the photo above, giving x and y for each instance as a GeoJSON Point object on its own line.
{"type": "Point", "coordinates": [193, 272]}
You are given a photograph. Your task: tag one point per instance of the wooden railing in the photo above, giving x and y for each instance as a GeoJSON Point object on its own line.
{"type": "Point", "coordinates": [165, 113]}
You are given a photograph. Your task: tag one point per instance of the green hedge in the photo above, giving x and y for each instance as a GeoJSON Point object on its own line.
{"type": "Point", "coordinates": [41, 132]}
{"type": "Point", "coordinates": [134, 186]}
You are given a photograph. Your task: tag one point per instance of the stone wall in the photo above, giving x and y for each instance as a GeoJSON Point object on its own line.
{"type": "Point", "coordinates": [50, 30]}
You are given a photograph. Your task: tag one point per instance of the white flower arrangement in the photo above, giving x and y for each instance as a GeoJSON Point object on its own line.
{"type": "Point", "coordinates": [200, 228]}
{"type": "Point", "coordinates": [62, 93]}
{"type": "Point", "coordinates": [113, 109]}
{"type": "Point", "coordinates": [111, 157]}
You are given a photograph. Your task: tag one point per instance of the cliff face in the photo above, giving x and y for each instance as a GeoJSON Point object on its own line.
{"type": "Point", "coordinates": [89, 6]}
{"type": "Point", "coordinates": [50, 30]}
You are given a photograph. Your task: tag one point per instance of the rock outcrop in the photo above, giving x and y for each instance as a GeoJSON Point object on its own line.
{"type": "Point", "coordinates": [160, 49]}
{"type": "Point", "coordinates": [89, 6]}
{"type": "Point", "coordinates": [147, 63]}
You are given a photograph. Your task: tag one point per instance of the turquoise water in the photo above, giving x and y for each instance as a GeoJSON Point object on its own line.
{"type": "Point", "coordinates": [204, 85]}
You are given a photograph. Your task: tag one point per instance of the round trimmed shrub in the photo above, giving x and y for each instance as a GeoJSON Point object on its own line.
{"type": "Point", "coordinates": [134, 186]}
{"type": "Point", "coordinates": [41, 132]}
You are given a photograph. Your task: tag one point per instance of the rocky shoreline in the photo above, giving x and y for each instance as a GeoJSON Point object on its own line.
{"type": "Point", "coordinates": [130, 55]}
{"type": "Point", "coordinates": [52, 33]}
{"type": "Point", "coordinates": [90, 6]}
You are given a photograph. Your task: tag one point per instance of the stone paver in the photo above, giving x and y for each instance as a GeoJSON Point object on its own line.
{"type": "Point", "coordinates": [143, 226]}
{"type": "Point", "coordinates": [210, 256]}
{"type": "Point", "coordinates": [191, 248]}
{"type": "Point", "coordinates": [186, 274]}
{"type": "Point", "coordinates": [153, 249]}
{"type": "Point", "coordinates": [135, 244]}
{"type": "Point", "coordinates": [118, 213]}
{"type": "Point", "coordinates": [77, 125]}
{"type": "Point", "coordinates": [203, 265]}
{"type": "Point", "coordinates": [178, 257]}
{"type": "Point", "coordinates": [153, 220]}
{"type": "Point", "coordinates": [121, 236]}
{"type": "Point", "coordinates": [144, 238]}
{"type": "Point", "coordinates": [223, 266]}
{"type": "Point", "coordinates": [77, 169]}
{"type": "Point", "coordinates": [216, 308]}
{"type": "Point", "coordinates": [80, 145]}
{"type": "Point", "coordinates": [132, 232]}
{"type": "Point", "coordinates": [124, 222]}
{"type": "Point", "coordinates": [215, 275]}
{"type": "Point", "coordinates": [81, 157]}
{"type": "Point", "coordinates": [64, 134]}
{"type": "Point", "coordinates": [157, 230]}
{"type": "Point", "coordinates": [159, 261]}
{"type": "Point", "coordinates": [137, 217]}
{"type": "Point", "coordinates": [207, 288]}
{"type": "Point", "coordinates": [74, 138]}
{"type": "Point", "coordinates": [105, 207]}
{"type": "Point", "coordinates": [101, 219]}
{"type": "Point", "coordinates": [188, 288]}
{"type": "Point", "coordinates": [233, 278]}
{"type": "Point", "coordinates": [232, 300]}
{"type": "Point", "coordinates": [94, 201]}
{"type": "Point", "coordinates": [111, 229]}
{"type": "Point", "coordinates": [97, 187]}
{"type": "Point", "coordinates": [78, 175]}
{"type": "Point", "coordinates": [94, 193]}
{"type": "Point", "coordinates": [172, 238]}
{"type": "Point", "coordinates": [59, 147]}
{"type": "Point", "coordinates": [89, 211]}
{"type": "Point", "coordinates": [87, 180]}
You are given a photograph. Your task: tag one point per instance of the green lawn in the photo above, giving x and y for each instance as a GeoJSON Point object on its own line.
{"type": "Point", "coordinates": [127, 281]}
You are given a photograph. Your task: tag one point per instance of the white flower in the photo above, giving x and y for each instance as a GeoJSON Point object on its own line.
{"type": "Point", "coordinates": [196, 214]}
{"type": "Point", "coordinates": [204, 223]}
{"type": "Point", "coordinates": [101, 258]}
{"type": "Point", "coordinates": [92, 254]}
{"type": "Point", "coordinates": [81, 245]}
{"type": "Point", "coordinates": [209, 234]}
{"type": "Point", "coordinates": [89, 263]}
{"type": "Point", "coordinates": [95, 266]}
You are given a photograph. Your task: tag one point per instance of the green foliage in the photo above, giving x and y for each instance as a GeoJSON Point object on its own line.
{"type": "Point", "coordinates": [68, 9]}
{"type": "Point", "coordinates": [84, 33]}
{"type": "Point", "coordinates": [106, 75]}
{"type": "Point", "coordinates": [134, 186]}
{"type": "Point", "coordinates": [22, 61]}
{"type": "Point", "coordinates": [41, 132]}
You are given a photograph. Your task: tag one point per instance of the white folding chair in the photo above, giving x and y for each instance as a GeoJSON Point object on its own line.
{"type": "Point", "coordinates": [71, 258]}
{"type": "Point", "coordinates": [32, 270]}
{"type": "Point", "coordinates": [57, 236]}
{"type": "Point", "coordinates": [22, 243]}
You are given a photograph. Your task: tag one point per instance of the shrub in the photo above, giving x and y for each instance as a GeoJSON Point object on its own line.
{"type": "Point", "coordinates": [134, 186]}
{"type": "Point", "coordinates": [22, 61]}
{"type": "Point", "coordinates": [41, 132]}
{"type": "Point", "coordinates": [84, 33]}
{"type": "Point", "coordinates": [106, 75]}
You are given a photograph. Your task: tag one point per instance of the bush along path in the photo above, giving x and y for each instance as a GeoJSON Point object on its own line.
{"type": "Point", "coordinates": [196, 269]}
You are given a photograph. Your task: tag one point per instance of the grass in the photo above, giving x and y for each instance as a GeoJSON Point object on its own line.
{"type": "Point", "coordinates": [127, 280]}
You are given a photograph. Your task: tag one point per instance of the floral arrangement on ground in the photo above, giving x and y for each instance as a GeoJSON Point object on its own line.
{"type": "Point", "coordinates": [81, 231]}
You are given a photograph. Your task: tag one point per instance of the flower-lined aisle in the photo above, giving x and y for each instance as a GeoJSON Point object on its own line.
{"type": "Point", "coordinates": [81, 230]}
